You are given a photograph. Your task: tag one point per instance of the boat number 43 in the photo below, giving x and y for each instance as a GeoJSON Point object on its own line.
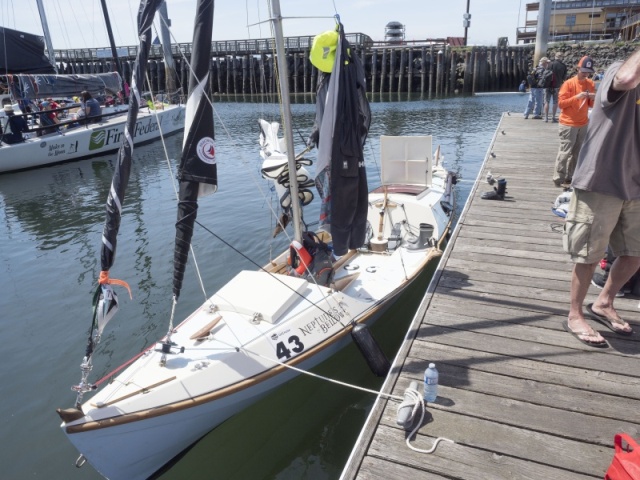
{"type": "Point", "coordinates": [293, 345]}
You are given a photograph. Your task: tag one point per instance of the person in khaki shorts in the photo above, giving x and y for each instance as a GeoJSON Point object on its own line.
{"type": "Point", "coordinates": [605, 205]}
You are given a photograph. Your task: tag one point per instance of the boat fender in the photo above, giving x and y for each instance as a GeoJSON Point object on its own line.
{"type": "Point", "coordinates": [299, 257]}
{"type": "Point", "coordinates": [373, 354]}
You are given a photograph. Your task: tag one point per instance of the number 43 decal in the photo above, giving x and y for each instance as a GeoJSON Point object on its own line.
{"type": "Point", "coordinates": [295, 345]}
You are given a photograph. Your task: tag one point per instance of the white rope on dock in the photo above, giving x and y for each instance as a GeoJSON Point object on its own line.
{"type": "Point", "coordinates": [415, 397]}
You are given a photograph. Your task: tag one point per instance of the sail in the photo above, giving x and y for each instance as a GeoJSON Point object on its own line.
{"type": "Point", "coordinates": [115, 201]}
{"type": "Point", "coordinates": [342, 124]}
{"type": "Point", "coordinates": [22, 52]}
{"type": "Point", "coordinates": [197, 173]}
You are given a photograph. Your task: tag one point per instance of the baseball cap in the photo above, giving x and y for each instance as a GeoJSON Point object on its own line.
{"type": "Point", "coordinates": [586, 65]}
{"type": "Point", "coordinates": [45, 104]}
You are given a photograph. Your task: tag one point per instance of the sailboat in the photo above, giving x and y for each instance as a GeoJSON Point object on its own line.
{"type": "Point", "coordinates": [66, 141]}
{"type": "Point", "coordinates": [264, 326]}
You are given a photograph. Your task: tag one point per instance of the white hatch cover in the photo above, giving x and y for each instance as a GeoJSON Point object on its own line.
{"type": "Point", "coordinates": [406, 160]}
{"type": "Point", "coordinates": [252, 292]}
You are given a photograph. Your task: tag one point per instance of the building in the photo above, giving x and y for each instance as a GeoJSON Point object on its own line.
{"type": "Point", "coordinates": [582, 20]}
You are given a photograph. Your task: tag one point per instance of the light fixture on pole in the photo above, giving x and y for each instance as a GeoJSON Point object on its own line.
{"type": "Point", "coordinates": [466, 22]}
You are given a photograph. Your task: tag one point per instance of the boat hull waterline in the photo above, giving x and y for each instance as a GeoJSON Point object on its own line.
{"type": "Point", "coordinates": [90, 140]}
{"type": "Point", "coordinates": [150, 413]}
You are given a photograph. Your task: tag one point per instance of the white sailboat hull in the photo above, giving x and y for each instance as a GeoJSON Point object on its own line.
{"type": "Point", "coordinates": [252, 326]}
{"type": "Point", "coordinates": [88, 141]}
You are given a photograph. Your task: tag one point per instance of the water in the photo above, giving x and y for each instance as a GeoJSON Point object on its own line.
{"type": "Point", "coordinates": [50, 229]}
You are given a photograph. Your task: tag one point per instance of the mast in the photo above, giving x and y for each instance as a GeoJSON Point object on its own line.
{"type": "Point", "coordinates": [276, 18]}
{"type": "Point", "coordinates": [169, 65]}
{"type": "Point", "coordinates": [47, 35]}
{"type": "Point", "coordinates": [112, 43]}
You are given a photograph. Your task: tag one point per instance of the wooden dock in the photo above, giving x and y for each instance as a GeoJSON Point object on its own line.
{"type": "Point", "coordinates": [521, 398]}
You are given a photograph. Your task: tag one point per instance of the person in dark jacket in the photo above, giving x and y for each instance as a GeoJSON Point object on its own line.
{"type": "Point", "coordinates": [559, 70]}
{"type": "Point", "coordinates": [14, 127]}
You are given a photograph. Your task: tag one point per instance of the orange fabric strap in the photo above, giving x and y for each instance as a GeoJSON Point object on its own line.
{"type": "Point", "coordinates": [104, 279]}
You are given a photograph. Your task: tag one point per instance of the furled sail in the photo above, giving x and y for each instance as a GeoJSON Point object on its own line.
{"type": "Point", "coordinates": [115, 201]}
{"type": "Point", "coordinates": [197, 174]}
{"type": "Point", "coordinates": [342, 124]}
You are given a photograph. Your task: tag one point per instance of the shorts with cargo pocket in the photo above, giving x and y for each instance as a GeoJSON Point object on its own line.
{"type": "Point", "coordinates": [595, 220]}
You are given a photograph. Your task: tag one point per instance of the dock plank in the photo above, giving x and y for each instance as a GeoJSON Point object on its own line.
{"type": "Point", "coordinates": [520, 397]}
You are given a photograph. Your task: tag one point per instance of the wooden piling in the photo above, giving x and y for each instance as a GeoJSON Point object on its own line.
{"type": "Point", "coordinates": [423, 69]}
{"type": "Point", "coordinates": [383, 66]}
{"type": "Point", "coordinates": [374, 70]}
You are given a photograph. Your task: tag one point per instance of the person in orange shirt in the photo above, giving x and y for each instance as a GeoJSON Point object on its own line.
{"type": "Point", "coordinates": [575, 98]}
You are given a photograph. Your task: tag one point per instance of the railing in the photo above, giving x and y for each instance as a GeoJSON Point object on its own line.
{"type": "Point", "coordinates": [583, 31]}
{"type": "Point", "coordinates": [631, 20]}
{"type": "Point", "coordinates": [222, 47]}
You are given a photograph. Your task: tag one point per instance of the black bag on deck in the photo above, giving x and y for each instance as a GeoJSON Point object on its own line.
{"type": "Point", "coordinates": [322, 265]}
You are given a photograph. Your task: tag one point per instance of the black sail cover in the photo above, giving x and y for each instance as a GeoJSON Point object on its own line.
{"type": "Point", "coordinates": [27, 87]}
{"type": "Point", "coordinates": [22, 52]}
{"type": "Point", "coordinates": [198, 173]}
{"type": "Point", "coordinates": [115, 201]}
{"type": "Point", "coordinates": [343, 117]}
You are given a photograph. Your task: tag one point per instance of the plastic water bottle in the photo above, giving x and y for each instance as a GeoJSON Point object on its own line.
{"type": "Point", "coordinates": [430, 383]}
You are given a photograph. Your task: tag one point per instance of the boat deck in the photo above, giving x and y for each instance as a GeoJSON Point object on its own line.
{"type": "Point", "coordinates": [521, 398]}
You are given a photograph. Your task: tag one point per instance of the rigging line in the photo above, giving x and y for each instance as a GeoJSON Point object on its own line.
{"type": "Point", "coordinates": [173, 182]}
{"type": "Point", "coordinates": [252, 176]}
{"type": "Point", "coordinates": [246, 257]}
{"type": "Point", "coordinates": [315, 375]}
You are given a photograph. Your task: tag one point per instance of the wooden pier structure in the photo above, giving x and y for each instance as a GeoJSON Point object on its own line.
{"type": "Point", "coordinates": [431, 68]}
{"type": "Point", "coordinates": [520, 397]}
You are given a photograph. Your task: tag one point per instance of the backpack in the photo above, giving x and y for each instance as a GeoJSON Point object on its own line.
{"type": "Point", "coordinates": [321, 265]}
{"type": "Point", "coordinates": [546, 79]}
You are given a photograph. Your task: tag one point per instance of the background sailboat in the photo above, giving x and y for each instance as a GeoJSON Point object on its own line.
{"type": "Point", "coordinates": [67, 143]}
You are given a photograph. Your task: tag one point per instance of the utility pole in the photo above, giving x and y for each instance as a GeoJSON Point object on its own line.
{"type": "Point", "coordinates": [542, 32]}
{"type": "Point", "coordinates": [466, 22]}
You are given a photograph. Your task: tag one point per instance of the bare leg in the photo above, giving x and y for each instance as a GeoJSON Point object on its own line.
{"type": "Point", "coordinates": [621, 271]}
{"type": "Point", "coordinates": [580, 281]}
{"type": "Point", "coordinates": [546, 110]}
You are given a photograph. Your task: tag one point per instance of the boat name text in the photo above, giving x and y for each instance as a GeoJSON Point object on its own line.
{"type": "Point", "coordinates": [323, 322]}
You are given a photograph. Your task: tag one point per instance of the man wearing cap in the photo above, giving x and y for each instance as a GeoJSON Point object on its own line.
{"type": "Point", "coordinates": [575, 98]}
{"type": "Point", "coordinates": [559, 70]}
{"type": "Point", "coordinates": [14, 127]}
{"type": "Point", "coordinates": [605, 205]}
{"type": "Point", "coordinates": [47, 118]}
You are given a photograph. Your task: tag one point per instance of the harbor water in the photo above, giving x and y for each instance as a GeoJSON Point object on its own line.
{"type": "Point", "coordinates": [51, 222]}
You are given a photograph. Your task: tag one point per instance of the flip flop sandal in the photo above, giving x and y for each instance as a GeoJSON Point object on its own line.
{"type": "Point", "coordinates": [606, 322]}
{"type": "Point", "coordinates": [602, 344]}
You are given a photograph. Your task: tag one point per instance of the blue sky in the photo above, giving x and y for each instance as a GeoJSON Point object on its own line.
{"type": "Point", "coordinates": [78, 23]}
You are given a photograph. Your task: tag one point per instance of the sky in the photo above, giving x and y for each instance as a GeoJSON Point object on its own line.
{"type": "Point", "coordinates": [80, 24]}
